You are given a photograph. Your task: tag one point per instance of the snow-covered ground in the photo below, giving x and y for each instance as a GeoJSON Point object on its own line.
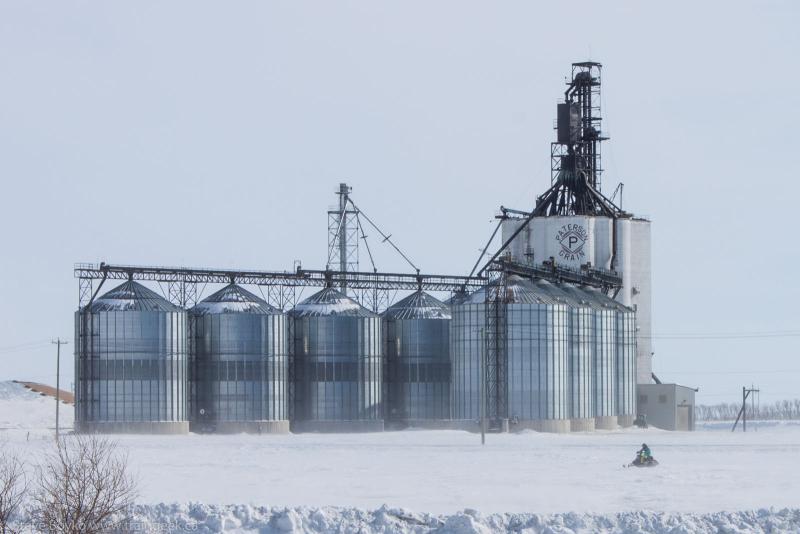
{"type": "Point", "coordinates": [22, 409]}
{"type": "Point", "coordinates": [371, 480]}
{"type": "Point", "coordinates": [447, 471]}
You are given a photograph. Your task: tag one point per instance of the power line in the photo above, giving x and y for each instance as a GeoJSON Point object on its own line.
{"type": "Point", "coordinates": [29, 343]}
{"type": "Point", "coordinates": [786, 396]}
{"type": "Point", "coordinates": [727, 335]}
{"type": "Point", "coordinates": [752, 372]}
{"type": "Point", "coordinates": [24, 347]}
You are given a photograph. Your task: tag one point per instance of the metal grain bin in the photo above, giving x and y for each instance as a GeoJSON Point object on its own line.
{"type": "Point", "coordinates": [337, 360]}
{"type": "Point", "coordinates": [416, 334]}
{"type": "Point", "coordinates": [604, 350]}
{"type": "Point", "coordinates": [626, 367]}
{"type": "Point", "coordinates": [538, 358]}
{"type": "Point", "coordinates": [533, 348]}
{"type": "Point", "coordinates": [130, 363]}
{"type": "Point", "coordinates": [467, 349]}
{"type": "Point", "coordinates": [239, 364]}
{"type": "Point", "coordinates": [625, 358]}
{"type": "Point", "coordinates": [581, 362]}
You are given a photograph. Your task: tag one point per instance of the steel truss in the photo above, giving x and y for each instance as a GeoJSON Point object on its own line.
{"type": "Point", "coordinates": [282, 297]}
{"type": "Point", "coordinates": [495, 362]}
{"type": "Point", "coordinates": [610, 282]}
{"type": "Point", "coordinates": [182, 293]}
{"type": "Point", "coordinates": [281, 289]}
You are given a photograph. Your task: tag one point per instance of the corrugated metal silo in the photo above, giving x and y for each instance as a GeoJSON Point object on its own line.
{"type": "Point", "coordinates": [538, 358]}
{"type": "Point", "coordinates": [466, 356]}
{"type": "Point", "coordinates": [581, 362]}
{"type": "Point", "coordinates": [337, 359]}
{"type": "Point", "coordinates": [625, 363]}
{"type": "Point", "coordinates": [130, 363]}
{"type": "Point", "coordinates": [416, 338]}
{"type": "Point", "coordinates": [535, 349]}
{"type": "Point", "coordinates": [239, 364]}
{"type": "Point", "coordinates": [604, 356]}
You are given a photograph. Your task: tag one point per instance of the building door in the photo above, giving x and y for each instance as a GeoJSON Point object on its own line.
{"type": "Point", "coordinates": [684, 421]}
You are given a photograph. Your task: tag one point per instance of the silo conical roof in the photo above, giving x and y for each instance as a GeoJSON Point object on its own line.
{"type": "Point", "coordinates": [234, 299]}
{"type": "Point", "coordinates": [459, 297]}
{"type": "Point", "coordinates": [579, 296]}
{"type": "Point", "coordinates": [552, 290]}
{"type": "Point", "coordinates": [606, 301]}
{"type": "Point", "coordinates": [418, 305]}
{"type": "Point", "coordinates": [519, 291]}
{"type": "Point", "coordinates": [327, 302]}
{"type": "Point", "coordinates": [132, 296]}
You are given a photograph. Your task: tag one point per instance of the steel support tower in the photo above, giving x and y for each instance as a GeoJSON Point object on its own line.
{"type": "Point", "coordinates": [575, 163]}
{"type": "Point", "coordinates": [495, 362]}
{"type": "Point", "coordinates": [343, 228]}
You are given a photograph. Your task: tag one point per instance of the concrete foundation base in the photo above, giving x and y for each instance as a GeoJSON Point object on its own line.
{"type": "Point", "coordinates": [625, 420]}
{"type": "Point", "coordinates": [555, 426]}
{"type": "Point", "coordinates": [469, 425]}
{"type": "Point", "coordinates": [424, 424]}
{"type": "Point", "coordinates": [337, 426]}
{"type": "Point", "coordinates": [137, 427]}
{"type": "Point", "coordinates": [605, 423]}
{"type": "Point", "coordinates": [582, 425]}
{"type": "Point", "coordinates": [241, 427]}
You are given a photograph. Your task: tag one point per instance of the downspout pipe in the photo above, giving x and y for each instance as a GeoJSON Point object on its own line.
{"type": "Point", "coordinates": [614, 220]}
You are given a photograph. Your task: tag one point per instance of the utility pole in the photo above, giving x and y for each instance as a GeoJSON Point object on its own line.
{"type": "Point", "coordinates": [743, 411]}
{"type": "Point", "coordinates": [58, 344]}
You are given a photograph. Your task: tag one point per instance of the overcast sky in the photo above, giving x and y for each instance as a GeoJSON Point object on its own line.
{"type": "Point", "coordinates": [214, 134]}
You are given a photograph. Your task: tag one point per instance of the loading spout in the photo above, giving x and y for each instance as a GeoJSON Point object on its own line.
{"type": "Point", "coordinates": [655, 378]}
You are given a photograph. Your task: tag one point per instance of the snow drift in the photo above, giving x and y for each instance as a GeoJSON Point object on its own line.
{"type": "Point", "coordinates": [199, 518]}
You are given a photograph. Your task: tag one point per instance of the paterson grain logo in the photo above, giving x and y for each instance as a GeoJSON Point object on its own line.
{"type": "Point", "coordinates": [572, 238]}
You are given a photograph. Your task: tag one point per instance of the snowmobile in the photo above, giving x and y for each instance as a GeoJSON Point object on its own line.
{"type": "Point", "coordinates": [643, 462]}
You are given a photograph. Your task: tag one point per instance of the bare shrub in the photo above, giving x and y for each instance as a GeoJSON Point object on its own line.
{"type": "Point", "coordinates": [786, 410]}
{"type": "Point", "coordinates": [81, 486]}
{"type": "Point", "coordinates": [13, 487]}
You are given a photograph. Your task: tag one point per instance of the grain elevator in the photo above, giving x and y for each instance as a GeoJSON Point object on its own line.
{"type": "Point", "coordinates": [573, 224]}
